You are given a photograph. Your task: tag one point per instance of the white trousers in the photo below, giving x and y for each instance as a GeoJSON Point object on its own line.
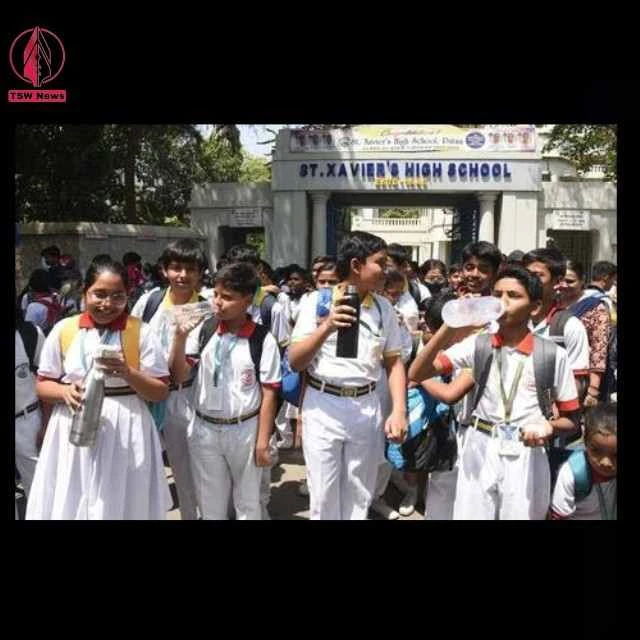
{"type": "Point", "coordinates": [495, 487]}
{"type": "Point", "coordinates": [265, 480]}
{"type": "Point", "coordinates": [174, 437]}
{"type": "Point", "coordinates": [341, 447]}
{"type": "Point", "coordinates": [26, 428]}
{"type": "Point", "coordinates": [223, 464]}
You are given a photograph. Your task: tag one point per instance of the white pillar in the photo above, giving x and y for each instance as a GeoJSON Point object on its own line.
{"type": "Point", "coordinates": [487, 202]}
{"type": "Point", "coordinates": [319, 223]}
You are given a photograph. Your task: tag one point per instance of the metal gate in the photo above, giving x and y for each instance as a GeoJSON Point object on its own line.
{"type": "Point", "coordinates": [464, 229]}
{"type": "Point", "coordinates": [574, 245]}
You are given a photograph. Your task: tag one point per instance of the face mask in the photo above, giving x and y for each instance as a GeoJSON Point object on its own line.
{"type": "Point", "coordinates": [435, 287]}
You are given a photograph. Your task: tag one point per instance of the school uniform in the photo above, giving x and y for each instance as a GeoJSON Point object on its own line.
{"type": "Point", "coordinates": [28, 420]}
{"type": "Point", "coordinates": [222, 433]}
{"type": "Point", "coordinates": [122, 476]}
{"type": "Point", "coordinates": [599, 504]}
{"type": "Point", "coordinates": [178, 410]}
{"type": "Point", "coordinates": [342, 433]}
{"type": "Point", "coordinates": [407, 306]}
{"type": "Point", "coordinates": [491, 485]}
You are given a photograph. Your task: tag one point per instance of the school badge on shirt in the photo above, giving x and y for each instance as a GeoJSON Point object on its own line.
{"type": "Point", "coordinates": [248, 378]}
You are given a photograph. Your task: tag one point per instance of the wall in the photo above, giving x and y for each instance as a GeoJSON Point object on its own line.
{"type": "Point", "coordinates": [83, 240]}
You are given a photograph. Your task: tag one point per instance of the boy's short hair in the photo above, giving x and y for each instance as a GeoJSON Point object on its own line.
{"type": "Point", "coordinates": [40, 280]}
{"type": "Point", "coordinates": [603, 418]}
{"type": "Point", "coordinates": [516, 256]}
{"type": "Point", "coordinates": [242, 253]}
{"type": "Point", "coordinates": [433, 263]}
{"type": "Point", "coordinates": [603, 269]}
{"type": "Point", "coordinates": [328, 265]}
{"type": "Point", "coordinates": [551, 257]}
{"type": "Point", "coordinates": [393, 277]}
{"type": "Point", "coordinates": [531, 283]}
{"type": "Point", "coordinates": [398, 253]}
{"type": "Point", "coordinates": [184, 250]}
{"type": "Point", "coordinates": [456, 267]}
{"type": "Point", "coordinates": [359, 245]}
{"type": "Point", "coordinates": [131, 257]}
{"type": "Point", "coordinates": [238, 276]}
{"type": "Point", "coordinates": [483, 250]}
{"type": "Point", "coordinates": [433, 309]}
{"type": "Point", "coordinates": [267, 269]}
{"type": "Point", "coordinates": [51, 250]}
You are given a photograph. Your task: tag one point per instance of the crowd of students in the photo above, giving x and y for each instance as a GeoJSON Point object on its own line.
{"type": "Point", "coordinates": [526, 414]}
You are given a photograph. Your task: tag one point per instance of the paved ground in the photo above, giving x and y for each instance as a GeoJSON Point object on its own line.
{"type": "Point", "coordinates": [286, 503]}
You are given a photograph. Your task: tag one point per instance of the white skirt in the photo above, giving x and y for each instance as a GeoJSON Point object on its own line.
{"type": "Point", "coordinates": [120, 478]}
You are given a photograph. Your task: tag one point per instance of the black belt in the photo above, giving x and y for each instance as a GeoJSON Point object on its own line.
{"type": "Point", "coordinates": [119, 391]}
{"type": "Point", "coordinates": [227, 420]}
{"type": "Point", "coordinates": [343, 392]}
{"type": "Point", "coordinates": [482, 425]}
{"type": "Point", "coordinates": [32, 407]}
{"type": "Point", "coordinates": [185, 385]}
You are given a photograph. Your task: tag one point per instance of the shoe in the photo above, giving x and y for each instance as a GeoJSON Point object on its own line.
{"type": "Point", "coordinates": [408, 502]}
{"type": "Point", "coordinates": [383, 509]}
{"type": "Point", "coordinates": [303, 489]}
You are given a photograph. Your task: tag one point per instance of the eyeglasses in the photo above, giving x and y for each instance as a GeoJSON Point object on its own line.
{"type": "Point", "coordinates": [116, 298]}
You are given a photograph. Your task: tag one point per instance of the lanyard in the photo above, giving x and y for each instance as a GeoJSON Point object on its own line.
{"type": "Point", "coordinates": [508, 400]}
{"type": "Point", "coordinates": [604, 512]}
{"type": "Point", "coordinates": [219, 358]}
{"type": "Point", "coordinates": [380, 324]}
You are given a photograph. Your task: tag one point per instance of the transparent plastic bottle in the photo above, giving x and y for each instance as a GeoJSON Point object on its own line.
{"type": "Point", "coordinates": [467, 312]}
{"type": "Point", "coordinates": [192, 313]}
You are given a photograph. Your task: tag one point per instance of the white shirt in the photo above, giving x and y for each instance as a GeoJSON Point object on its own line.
{"type": "Point", "coordinates": [237, 391]}
{"type": "Point", "coordinates": [372, 345]}
{"type": "Point", "coordinates": [407, 306]}
{"type": "Point", "coordinates": [25, 380]}
{"type": "Point", "coordinates": [37, 314]}
{"type": "Point", "coordinates": [575, 341]}
{"type": "Point", "coordinates": [564, 501]}
{"type": "Point", "coordinates": [74, 367]}
{"type": "Point", "coordinates": [280, 328]}
{"type": "Point", "coordinates": [525, 405]}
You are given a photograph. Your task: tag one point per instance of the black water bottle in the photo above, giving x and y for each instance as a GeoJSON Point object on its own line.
{"type": "Point", "coordinates": [347, 343]}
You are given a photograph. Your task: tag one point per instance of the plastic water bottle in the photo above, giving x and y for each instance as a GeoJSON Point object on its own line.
{"type": "Point", "coordinates": [347, 343]}
{"type": "Point", "coordinates": [467, 312]}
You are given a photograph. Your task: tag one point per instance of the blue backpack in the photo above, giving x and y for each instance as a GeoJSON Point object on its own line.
{"type": "Point", "coordinates": [581, 470]}
{"type": "Point", "coordinates": [430, 442]}
{"type": "Point", "coordinates": [292, 380]}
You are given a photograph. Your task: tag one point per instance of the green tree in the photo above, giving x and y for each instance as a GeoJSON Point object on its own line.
{"type": "Point", "coordinates": [254, 169]}
{"type": "Point", "coordinates": [118, 173]}
{"type": "Point", "coordinates": [586, 145]}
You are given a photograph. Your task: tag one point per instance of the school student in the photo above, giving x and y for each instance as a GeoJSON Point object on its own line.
{"type": "Point", "coordinates": [183, 262]}
{"type": "Point", "coordinates": [504, 472]}
{"type": "Point", "coordinates": [341, 412]}
{"type": "Point", "coordinates": [398, 260]}
{"type": "Point", "coordinates": [586, 488]}
{"type": "Point", "coordinates": [29, 341]}
{"type": "Point", "coordinates": [550, 266]}
{"type": "Point", "coordinates": [237, 383]}
{"type": "Point", "coordinates": [480, 264]}
{"type": "Point", "coordinates": [122, 476]}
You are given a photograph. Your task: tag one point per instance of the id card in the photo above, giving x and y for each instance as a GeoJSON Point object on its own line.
{"type": "Point", "coordinates": [509, 440]}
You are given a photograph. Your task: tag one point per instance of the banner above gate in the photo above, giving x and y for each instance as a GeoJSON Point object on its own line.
{"type": "Point", "coordinates": [415, 138]}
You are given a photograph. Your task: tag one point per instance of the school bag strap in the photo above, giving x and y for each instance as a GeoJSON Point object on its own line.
{"type": "Point", "coordinates": [482, 358]}
{"type": "Point", "coordinates": [581, 470]}
{"type": "Point", "coordinates": [265, 310]}
{"type": "Point", "coordinates": [586, 304]}
{"type": "Point", "coordinates": [129, 338]}
{"type": "Point", "coordinates": [256, 340]}
{"type": "Point", "coordinates": [29, 335]}
{"type": "Point", "coordinates": [544, 368]}
{"type": "Point", "coordinates": [557, 325]}
{"type": "Point", "coordinates": [152, 304]}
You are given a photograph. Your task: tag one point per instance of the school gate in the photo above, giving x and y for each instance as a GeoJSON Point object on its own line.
{"type": "Point", "coordinates": [490, 180]}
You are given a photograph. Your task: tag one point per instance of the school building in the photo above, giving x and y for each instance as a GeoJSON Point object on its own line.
{"type": "Point", "coordinates": [490, 183]}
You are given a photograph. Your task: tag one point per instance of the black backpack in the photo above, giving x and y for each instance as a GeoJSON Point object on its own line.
{"type": "Point", "coordinates": [29, 335]}
{"type": "Point", "coordinates": [265, 310]}
{"type": "Point", "coordinates": [256, 341]}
